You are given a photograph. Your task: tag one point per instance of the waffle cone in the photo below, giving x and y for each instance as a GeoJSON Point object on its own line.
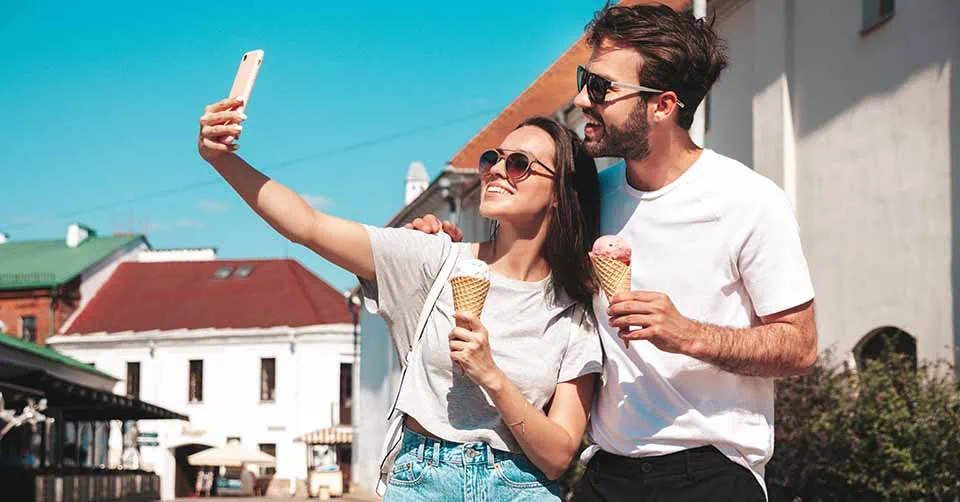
{"type": "Point", "coordinates": [469, 293]}
{"type": "Point", "coordinates": [614, 275]}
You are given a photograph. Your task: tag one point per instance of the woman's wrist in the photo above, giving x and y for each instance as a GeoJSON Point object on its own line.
{"type": "Point", "coordinates": [495, 383]}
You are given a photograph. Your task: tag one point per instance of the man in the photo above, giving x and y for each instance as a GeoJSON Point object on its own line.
{"type": "Point", "coordinates": [721, 300]}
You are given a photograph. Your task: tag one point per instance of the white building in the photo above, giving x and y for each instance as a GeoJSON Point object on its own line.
{"type": "Point", "coordinates": [852, 107]}
{"type": "Point", "coordinates": [259, 351]}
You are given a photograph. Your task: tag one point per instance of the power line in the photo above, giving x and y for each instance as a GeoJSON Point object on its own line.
{"type": "Point", "coordinates": [277, 166]}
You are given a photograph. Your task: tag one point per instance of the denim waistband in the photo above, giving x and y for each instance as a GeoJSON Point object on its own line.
{"type": "Point", "coordinates": [471, 453]}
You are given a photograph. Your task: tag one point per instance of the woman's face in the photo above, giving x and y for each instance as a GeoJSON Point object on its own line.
{"type": "Point", "coordinates": [525, 202]}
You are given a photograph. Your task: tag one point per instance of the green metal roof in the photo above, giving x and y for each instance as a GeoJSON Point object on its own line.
{"type": "Point", "coordinates": [49, 354]}
{"type": "Point", "coordinates": [50, 263]}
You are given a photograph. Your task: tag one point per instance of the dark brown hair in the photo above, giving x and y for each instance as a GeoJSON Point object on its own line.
{"type": "Point", "coordinates": [680, 52]}
{"type": "Point", "coordinates": [575, 222]}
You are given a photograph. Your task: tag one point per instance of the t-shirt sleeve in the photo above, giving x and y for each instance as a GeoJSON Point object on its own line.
{"type": "Point", "coordinates": [583, 354]}
{"type": "Point", "coordinates": [406, 263]}
{"type": "Point", "coordinates": [771, 262]}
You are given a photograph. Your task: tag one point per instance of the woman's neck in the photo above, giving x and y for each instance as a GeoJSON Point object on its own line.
{"type": "Point", "coordinates": [517, 253]}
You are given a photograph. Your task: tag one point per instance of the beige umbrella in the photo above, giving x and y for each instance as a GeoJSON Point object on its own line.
{"type": "Point", "coordinates": [231, 455]}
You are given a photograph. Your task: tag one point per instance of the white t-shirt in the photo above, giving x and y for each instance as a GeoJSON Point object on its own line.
{"type": "Point", "coordinates": [722, 241]}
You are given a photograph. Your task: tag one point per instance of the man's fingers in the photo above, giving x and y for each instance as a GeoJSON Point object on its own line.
{"type": "Point", "coordinates": [637, 334]}
{"type": "Point", "coordinates": [641, 296]}
{"type": "Point", "coordinates": [456, 235]}
{"type": "Point", "coordinates": [629, 307]}
{"type": "Point", "coordinates": [625, 321]}
{"type": "Point", "coordinates": [409, 226]}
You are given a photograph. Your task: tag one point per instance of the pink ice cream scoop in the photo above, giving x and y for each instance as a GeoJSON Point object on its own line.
{"type": "Point", "coordinates": [613, 247]}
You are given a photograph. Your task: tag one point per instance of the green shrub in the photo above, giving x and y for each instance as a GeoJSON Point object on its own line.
{"type": "Point", "coordinates": [888, 432]}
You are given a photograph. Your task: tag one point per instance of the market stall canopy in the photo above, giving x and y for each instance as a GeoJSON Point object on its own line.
{"type": "Point", "coordinates": [231, 455]}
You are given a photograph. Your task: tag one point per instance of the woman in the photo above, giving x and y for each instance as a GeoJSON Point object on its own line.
{"type": "Point", "coordinates": [495, 408]}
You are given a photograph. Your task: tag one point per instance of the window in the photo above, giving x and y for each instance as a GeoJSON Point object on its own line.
{"type": "Point", "coordinates": [196, 381]}
{"type": "Point", "coordinates": [28, 328]}
{"type": "Point", "coordinates": [233, 439]}
{"type": "Point", "coordinates": [885, 340]}
{"type": "Point", "coordinates": [133, 380]}
{"type": "Point", "coordinates": [243, 271]}
{"type": "Point", "coordinates": [222, 272]}
{"type": "Point", "coordinates": [268, 379]}
{"type": "Point", "coordinates": [269, 449]}
{"type": "Point", "coordinates": [346, 393]}
{"type": "Point", "coordinates": [875, 13]}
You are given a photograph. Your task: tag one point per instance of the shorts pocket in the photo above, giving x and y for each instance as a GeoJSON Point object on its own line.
{"type": "Point", "coordinates": [409, 471]}
{"type": "Point", "coordinates": [516, 476]}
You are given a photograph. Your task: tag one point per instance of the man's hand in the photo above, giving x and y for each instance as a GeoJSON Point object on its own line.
{"type": "Point", "coordinates": [430, 224]}
{"type": "Point", "coordinates": [658, 319]}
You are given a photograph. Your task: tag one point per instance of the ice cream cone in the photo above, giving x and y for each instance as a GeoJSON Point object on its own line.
{"type": "Point", "coordinates": [469, 294]}
{"type": "Point", "coordinates": [614, 275]}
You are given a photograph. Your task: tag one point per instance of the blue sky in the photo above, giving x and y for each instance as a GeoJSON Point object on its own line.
{"type": "Point", "coordinates": [100, 102]}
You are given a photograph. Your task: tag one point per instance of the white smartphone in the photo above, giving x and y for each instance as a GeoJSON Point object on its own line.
{"type": "Point", "coordinates": [246, 76]}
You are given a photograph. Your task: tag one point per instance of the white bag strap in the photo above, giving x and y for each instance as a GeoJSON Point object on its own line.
{"type": "Point", "coordinates": [395, 429]}
{"type": "Point", "coordinates": [432, 296]}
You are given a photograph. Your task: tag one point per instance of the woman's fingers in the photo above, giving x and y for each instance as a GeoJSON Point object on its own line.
{"type": "Point", "coordinates": [224, 117]}
{"type": "Point", "coordinates": [218, 146]}
{"type": "Point", "coordinates": [224, 104]}
{"type": "Point", "coordinates": [218, 131]}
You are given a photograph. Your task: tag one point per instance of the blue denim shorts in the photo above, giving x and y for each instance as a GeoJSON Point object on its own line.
{"type": "Point", "coordinates": [429, 469]}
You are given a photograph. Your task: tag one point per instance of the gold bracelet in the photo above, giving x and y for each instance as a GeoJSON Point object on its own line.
{"type": "Point", "coordinates": [523, 420]}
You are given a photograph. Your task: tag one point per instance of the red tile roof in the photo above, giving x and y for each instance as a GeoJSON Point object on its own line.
{"type": "Point", "coordinates": [553, 89]}
{"type": "Point", "coordinates": [185, 295]}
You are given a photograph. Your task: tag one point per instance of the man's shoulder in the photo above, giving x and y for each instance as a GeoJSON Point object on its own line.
{"type": "Point", "coordinates": [739, 184]}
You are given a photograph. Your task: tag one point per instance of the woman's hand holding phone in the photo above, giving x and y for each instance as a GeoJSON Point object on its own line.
{"type": "Point", "coordinates": [220, 126]}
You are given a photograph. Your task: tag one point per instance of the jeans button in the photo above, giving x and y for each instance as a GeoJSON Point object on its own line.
{"type": "Point", "coordinates": [470, 453]}
{"type": "Point", "coordinates": [646, 467]}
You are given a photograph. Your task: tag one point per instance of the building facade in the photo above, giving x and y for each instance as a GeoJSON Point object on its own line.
{"type": "Point", "coordinates": [852, 108]}
{"type": "Point", "coordinates": [253, 351]}
{"type": "Point", "coordinates": [43, 283]}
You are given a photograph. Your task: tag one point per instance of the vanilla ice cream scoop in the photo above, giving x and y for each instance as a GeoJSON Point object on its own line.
{"type": "Point", "coordinates": [477, 269]}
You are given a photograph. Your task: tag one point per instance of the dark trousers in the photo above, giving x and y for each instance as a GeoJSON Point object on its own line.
{"type": "Point", "coordinates": [690, 475]}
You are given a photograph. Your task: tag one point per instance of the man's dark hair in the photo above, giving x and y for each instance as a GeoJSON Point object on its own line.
{"type": "Point", "coordinates": [680, 52]}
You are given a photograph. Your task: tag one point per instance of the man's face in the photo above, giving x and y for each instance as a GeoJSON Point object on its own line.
{"type": "Point", "coordinates": [618, 127]}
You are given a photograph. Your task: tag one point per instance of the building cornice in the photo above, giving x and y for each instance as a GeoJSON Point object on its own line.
{"type": "Point", "coordinates": [320, 333]}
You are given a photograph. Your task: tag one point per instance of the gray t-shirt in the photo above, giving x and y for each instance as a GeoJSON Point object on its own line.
{"type": "Point", "coordinates": [531, 337]}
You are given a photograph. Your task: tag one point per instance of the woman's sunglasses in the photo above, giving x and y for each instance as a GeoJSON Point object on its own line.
{"type": "Point", "coordinates": [598, 86]}
{"type": "Point", "coordinates": [518, 165]}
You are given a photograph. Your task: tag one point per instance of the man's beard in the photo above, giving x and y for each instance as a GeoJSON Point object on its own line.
{"type": "Point", "coordinates": [632, 141]}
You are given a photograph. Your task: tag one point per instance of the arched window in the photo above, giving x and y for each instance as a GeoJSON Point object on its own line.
{"type": "Point", "coordinates": [883, 340]}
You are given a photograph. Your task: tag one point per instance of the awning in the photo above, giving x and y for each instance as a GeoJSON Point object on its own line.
{"type": "Point", "coordinates": [80, 391]}
{"type": "Point", "coordinates": [341, 434]}
{"type": "Point", "coordinates": [231, 455]}
{"type": "Point", "coordinates": [82, 403]}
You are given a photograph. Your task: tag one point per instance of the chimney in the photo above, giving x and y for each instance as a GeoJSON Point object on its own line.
{"type": "Point", "coordinates": [417, 181]}
{"type": "Point", "coordinates": [4, 238]}
{"type": "Point", "coordinates": [77, 234]}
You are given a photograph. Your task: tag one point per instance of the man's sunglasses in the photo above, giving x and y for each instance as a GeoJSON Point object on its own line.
{"type": "Point", "coordinates": [598, 86]}
{"type": "Point", "coordinates": [518, 165]}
